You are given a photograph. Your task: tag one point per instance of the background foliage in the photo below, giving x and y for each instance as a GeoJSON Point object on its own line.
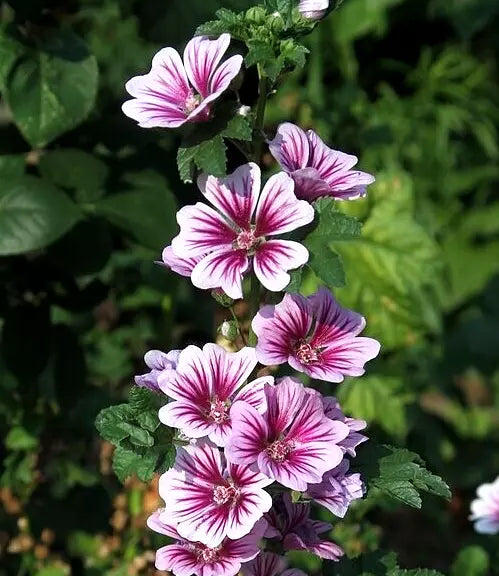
{"type": "Point", "coordinates": [88, 200]}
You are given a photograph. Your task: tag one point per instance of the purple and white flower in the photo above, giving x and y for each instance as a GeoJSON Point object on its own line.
{"type": "Point", "coordinates": [236, 236]}
{"type": "Point", "coordinates": [185, 558]}
{"type": "Point", "coordinates": [269, 564]}
{"type": "Point", "coordinates": [182, 266]}
{"type": "Point", "coordinates": [210, 500]}
{"type": "Point", "coordinates": [485, 508]}
{"type": "Point", "coordinates": [176, 92]}
{"type": "Point", "coordinates": [313, 9]}
{"type": "Point", "coordinates": [316, 169]}
{"type": "Point", "coordinates": [314, 335]}
{"type": "Point", "coordinates": [293, 442]}
{"type": "Point", "coordinates": [204, 386]}
{"type": "Point", "coordinates": [161, 364]}
{"type": "Point", "coordinates": [338, 489]}
{"type": "Point", "coordinates": [291, 523]}
{"type": "Point", "coordinates": [332, 409]}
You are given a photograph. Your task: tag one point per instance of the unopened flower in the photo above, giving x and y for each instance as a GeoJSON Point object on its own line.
{"type": "Point", "coordinates": [186, 558]}
{"type": "Point", "coordinates": [160, 364]}
{"type": "Point", "coordinates": [314, 335]}
{"type": "Point", "coordinates": [485, 508]}
{"type": "Point", "coordinates": [338, 489]}
{"type": "Point", "coordinates": [210, 500]}
{"type": "Point", "coordinates": [313, 9]}
{"type": "Point", "coordinates": [269, 564]}
{"type": "Point", "coordinates": [238, 234]}
{"type": "Point", "coordinates": [176, 92]}
{"type": "Point", "coordinates": [316, 169]}
{"type": "Point", "coordinates": [332, 409]}
{"type": "Point", "coordinates": [291, 523]}
{"type": "Point", "coordinates": [205, 385]}
{"type": "Point", "coordinates": [293, 442]}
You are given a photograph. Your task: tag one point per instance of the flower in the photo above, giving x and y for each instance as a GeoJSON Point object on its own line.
{"type": "Point", "coordinates": [314, 335]}
{"type": "Point", "coordinates": [337, 489]}
{"type": "Point", "coordinates": [186, 558]}
{"type": "Point", "coordinates": [293, 442]}
{"type": "Point", "coordinates": [205, 384]}
{"type": "Point", "coordinates": [210, 500]}
{"type": "Point", "coordinates": [182, 266]}
{"type": "Point", "coordinates": [236, 236]}
{"type": "Point", "coordinates": [160, 364]}
{"type": "Point", "coordinates": [291, 523]}
{"type": "Point", "coordinates": [269, 564]}
{"type": "Point", "coordinates": [332, 409]}
{"type": "Point", "coordinates": [485, 508]}
{"type": "Point", "coordinates": [316, 169]}
{"type": "Point", "coordinates": [176, 92]}
{"type": "Point", "coordinates": [313, 9]}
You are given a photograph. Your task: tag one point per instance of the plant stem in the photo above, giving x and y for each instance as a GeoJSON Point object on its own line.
{"type": "Point", "coordinates": [236, 320]}
{"type": "Point", "coordinates": [260, 115]}
{"type": "Point", "coordinates": [254, 306]}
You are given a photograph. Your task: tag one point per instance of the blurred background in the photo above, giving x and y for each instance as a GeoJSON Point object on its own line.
{"type": "Point", "coordinates": [411, 87]}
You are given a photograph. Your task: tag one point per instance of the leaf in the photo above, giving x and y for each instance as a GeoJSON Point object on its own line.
{"type": "Point", "coordinates": [128, 463]}
{"type": "Point", "coordinates": [12, 166]}
{"type": "Point", "coordinates": [33, 214]}
{"type": "Point", "coordinates": [399, 474]}
{"type": "Point", "coordinates": [10, 51]}
{"type": "Point", "coordinates": [468, 16]}
{"type": "Point", "coordinates": [376, 399]}
{"type": "Point", "coordinates": [52, 89]}
{"type": "Point", "coordinates": [76, 170]}
{"type": "Point", "coordinates": [209, 156]}
{"type": "Point", "coordinates": [471, 561]}
{"type": "Point", "coordinates": [147, 213]}
{"type": "Point", "coordinates": [19, 438]}
{"type": "Point", "coordinates": [239, 128]}
{"type": "Point", "coordinates": [259, 52]}
{"type": "Point", "coordinates": [331, 226]}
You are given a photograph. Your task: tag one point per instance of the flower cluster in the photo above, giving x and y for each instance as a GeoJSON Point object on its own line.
{"type": "Point", "coordinates": [246, 441]}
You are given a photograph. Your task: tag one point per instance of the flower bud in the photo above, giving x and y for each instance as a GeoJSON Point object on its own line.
{"type": "Point", "coordinates": [229, 330]}
{"type": "Point", "coordinates": [221, 297]}
{"type": "Point", "coordinates": [276, 22]}
{"type": "Point", "coordinates": [313, 9]}
{"type": "Point", "coordinates": [256, 15]}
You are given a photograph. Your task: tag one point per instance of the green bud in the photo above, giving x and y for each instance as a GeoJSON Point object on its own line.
{"type": "Point", "coordinates": [221, 297]}
{"type": "Point", "coordinates": [276, 23]}
{"type": "Point", "coordinates": [256, 15]}
{"type": "Point", "coordinates": [229, 330]}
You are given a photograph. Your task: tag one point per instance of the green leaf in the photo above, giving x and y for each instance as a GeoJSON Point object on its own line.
{"type": "Point", "coordinates": [12, 166]}
{"type": "Point", "coordinates": [471, 561]}
{"type": "Point", "coordinates": [53, 89]}
{"type": "Point", "coordinates": [239, 128]}
{"type": "Point", "coordinates": [76, 170]}
{"type": "Point", "coordinates": [376, 399]}
{"type": "Point", "coordinates": [148, 213]}
{"type": "Point", "coordinates": [398, 474]}
{"type": "Point", "coordinates": [33, 214]}
{"type": "Point", "coordinates": [331, 227]}
{"type": "Point", "coordinates": [209, 156]}
{"type": "Point", "coordinates": [10, 51]}
{"type": "Point", "coordinates": [259, 52]}
{"type": "Point", "coordinates": [19, 438]}
{"type": "Point", "coordinates": [128, 463]}
{"type": "Point", "coordinates": [118, 423]}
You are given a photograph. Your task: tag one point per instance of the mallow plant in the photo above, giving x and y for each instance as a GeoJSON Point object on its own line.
{"type": "Point", "coordinates": [251, 443]}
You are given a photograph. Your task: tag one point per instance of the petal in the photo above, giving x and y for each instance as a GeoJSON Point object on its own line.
{"type": "Point", "coordinates": [487, 526]}
{"type": "Point", "coordinates": [265, 564]}
{"type": "Point", "coordinates": [171, 75]}
{"type": "Point", "coordinates": [346, 357]}
{"type": "Point", "coordinates": [290, 147]}
{"type": "Point", "coordinates": [177, 558]}
{"type": "Point", "coordinates": [250, 507]}
{"type": "Point", "coordinates": [253, 393]}
{"type": "Point", "coordinates": [249, 432]}
{"type": "Point", "coordinates": [274, 258]}
{"type": "Point", "coordinates": [187, 417]}
{"type": "Point", "coordinates": [201, 58]}
{"type": "Point", "coordinates": [203, 462]}
{"type": "Point", "coordinates": [246, 548]}
{"type": "Point", "coordinates": [279, 210]}
{"type": "Point", "coordinates": [236, 195]}
{"type": "Point", "coordinates": [182, 266]}
{"type": "Point", "coordinates": [193, 380]}
{"type": "Point", "coordinates": [283, 403]}
{"type": "Point", "coordinates": [224, 75]}
{"type": "Point", "coordinates": [154, 522]}
{"type": "Point", "coordinates": [280, 327]}
{"type": "Point", "coordinates": [224, 269]}
{"type": "Point", "coordinates": [229, 369]}
{"type": "Point", "coordinates": [309, 185]}
{"type": "Point", "coordinates": [201, 230]}
{"type": "Point", "coordinates": [154, 113]}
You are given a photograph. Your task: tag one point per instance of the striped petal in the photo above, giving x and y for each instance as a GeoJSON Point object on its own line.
{"type": "Point", "coordinates": [274, 258]}
{"type": "Point", "coordinates": [223, 269]}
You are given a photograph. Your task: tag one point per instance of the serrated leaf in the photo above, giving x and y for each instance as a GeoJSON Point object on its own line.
{"type": "Point", "coordinates": [33, 214]}
{"type": "Point", "coordinates": [127, 463]}
{"type": "Point", "coordinates": [331, 226]}
{"type": "Point", "coordinates": [239, 128]}
{"type": "Point", "coordinates": [209, 156]}
{"type": "Point", "coordinates": [19, 438]}
{"type": "Point", "coordinates": [53, 89]}
{"type": "Point", "coordinates": [259, 52]}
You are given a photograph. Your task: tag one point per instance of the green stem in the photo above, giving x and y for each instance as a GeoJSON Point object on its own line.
{"type": "Point", "coordinates": [254, 306]}
{"type": "Point", "coordinates": [236, 320]}
{"type": "Point", "coordinates": [259, 136]}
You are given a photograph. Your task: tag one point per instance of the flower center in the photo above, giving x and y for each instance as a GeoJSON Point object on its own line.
{"type": "Point", "coordinates": [208, 555]}
{"type": "Point", "coordinates": [246, 240]}
{"type": "Point", "coordinates": [279, 450]}
{"type": "Point", "coordinates": [219, 411]}
{"type": "Point", "coordinates": [225, 494]}
{"type": "Point", "coordinates": [191, 103]}
{"type": "Point", "coordinates": [306, 353]}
